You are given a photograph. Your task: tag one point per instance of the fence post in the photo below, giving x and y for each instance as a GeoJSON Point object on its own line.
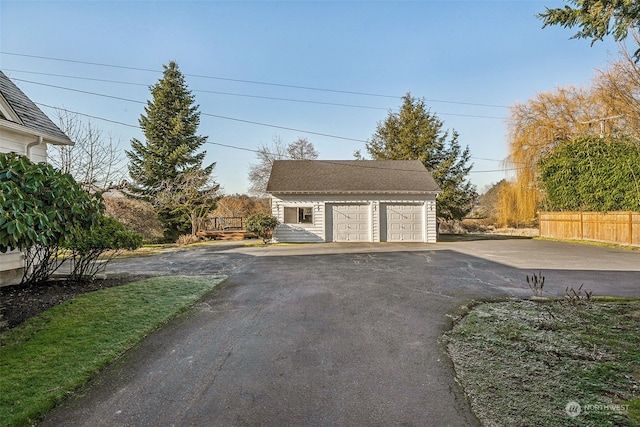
{"type": "Point", "coordinates": [630, 228]}
{"type": "Point", "coordinates": [581, 227]}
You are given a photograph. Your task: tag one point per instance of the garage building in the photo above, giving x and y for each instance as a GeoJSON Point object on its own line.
{"type": "Point", "coordinates": [353, 201]}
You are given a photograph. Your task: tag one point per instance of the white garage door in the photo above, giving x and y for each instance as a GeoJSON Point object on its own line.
{"type": "Point", "coordinates": [350, 223]}
{"type": "Point", "coordinates": [404, 223]}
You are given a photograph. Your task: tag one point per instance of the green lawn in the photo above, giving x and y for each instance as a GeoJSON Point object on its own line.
{"type": "Point", "coordinates": [523, 362]}
{"type": "Point", "coordinates": [54, 353]}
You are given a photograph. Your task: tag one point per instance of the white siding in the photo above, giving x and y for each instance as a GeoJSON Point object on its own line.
{"type": "Point", "coordinates": [322, 231]}
{"type": "Point", "coordinates": [375, 221]}
{"type": "Point", "coordinates": [298, 233]}
{"type": "Point", "coordinates": [11, 265]}
{"type": "Point", "coordinates": [13, 142]}
{"type": "Point", "coordinates": [430, 221]}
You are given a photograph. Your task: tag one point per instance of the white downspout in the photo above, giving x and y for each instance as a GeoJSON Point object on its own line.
{"type": "Point", "coordinates": [33, 144]}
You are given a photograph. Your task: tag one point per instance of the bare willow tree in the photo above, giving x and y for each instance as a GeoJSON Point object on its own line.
{"type": "Point", "coordinates": [534, 129]}
{"type": "Point", "coordinates": [301, 149]}
{"type": "Point", "coordinates": [610, 105]}
{"type": "Point", "coordinates": [95, 160]}
{"type": "Point", "coordinates": [618, 88]}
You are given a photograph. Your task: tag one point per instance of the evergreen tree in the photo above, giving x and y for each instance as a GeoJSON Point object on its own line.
{"type": "Point", "coordinates": [597, 19]}
{"type": "Point", "coordinates": [414, 133]}
{"type": "Point", "coordinates": [170, 122]}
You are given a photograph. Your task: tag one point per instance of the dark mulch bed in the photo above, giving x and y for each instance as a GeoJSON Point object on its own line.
{"type": "Point", "coordinates": [20, 302]}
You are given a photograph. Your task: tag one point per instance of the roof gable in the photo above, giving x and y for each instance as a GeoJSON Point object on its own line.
{"type": "Point", "coordinates": [18, 110]}
{"type": "Point", "coordinates": [6, 112]}
{"type": "Point", "coordinates": [350, 176]}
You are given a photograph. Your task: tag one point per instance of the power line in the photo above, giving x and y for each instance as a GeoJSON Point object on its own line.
{"type": "Point", "coordinates": [244, 148]}
{"type": "Point", "coordinates": [206, 114]}
{"type": "Point", "coordinates": [497, 170]}
{"type": "Point", "coordinates": [268, 97]}
{"type": "Point", "coordinates": [235, 94]}
{"type": "Point", "coordinates": [285, 128]}
{"type": "Point", "coordinates": [335, 104]}
{"type": "Point", "coordinates": [349, 164]}
{"type": "Point", "coordinates": [246, 81]}
{"type": "Point", "coordinates": [79, 91]}
{"type": "Point", "coordinates": [235, 147]}
{"type": "Point", "coordinates": [87, 115]}
{"type": "Point", "coordinates": [230, 118]}
{"type": "Point", "coordinates": [203, 76]}
{"type": "Point", "coordinates": [203, 113]}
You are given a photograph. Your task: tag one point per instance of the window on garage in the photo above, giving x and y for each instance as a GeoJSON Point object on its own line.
{"type": "Point", "coordinates": [302, 215]}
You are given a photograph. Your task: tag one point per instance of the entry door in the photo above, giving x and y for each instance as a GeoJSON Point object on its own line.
{"type": "Point", "coordinates": [404, 223]}
{"type": "Point", "coordinates": [350, 223]}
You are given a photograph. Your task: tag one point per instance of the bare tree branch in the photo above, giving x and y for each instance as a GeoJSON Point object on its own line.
{"type": "Point", "coordinates": [301, 149]}
{"type": "Point", "coordinates": [95, 161]}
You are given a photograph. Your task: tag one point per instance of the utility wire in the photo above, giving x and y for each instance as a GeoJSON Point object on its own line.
{"type": "Point", "coordinates": [87, 115]}
{"type": "Point", "coordinates": [229, 118]}
{"type": "Point", "coordinates": [203, 76]}
{"type": "Point", "coordinates": [205, 114]}
{"type": "Point", "coordinates": [244, 148]}
{"type": "Point", "coordinates": [334, 104]}
{"type": "Point", "coordinates": [363, 165]}
{"type": "Point", "coordinates": [266, 97]}
{"type": "Point", "coordinates": [234, 80]}
{"type": "Point", "coordinates": [285, 128]}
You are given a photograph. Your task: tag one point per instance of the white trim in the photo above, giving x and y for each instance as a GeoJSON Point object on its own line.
{"type": "Point", "coordinates": [21, 129]}
{"type": "Point", "coordinates": [7, 111]}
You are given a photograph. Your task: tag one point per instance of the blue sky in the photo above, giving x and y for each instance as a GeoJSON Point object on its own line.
{"type": "Point", "coordinates": [470, 60]}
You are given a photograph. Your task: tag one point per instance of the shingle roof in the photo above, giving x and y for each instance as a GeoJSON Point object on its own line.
{"type": "Point", "coordinates": [30, 115]}
{"type": "Point", "coordinates": [350, 176]}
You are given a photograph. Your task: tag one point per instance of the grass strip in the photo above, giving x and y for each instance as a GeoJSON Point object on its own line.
{"type": "Point", "coordinates": [528, 363]}
{"type": "Point", "coordinates": [50, 355]}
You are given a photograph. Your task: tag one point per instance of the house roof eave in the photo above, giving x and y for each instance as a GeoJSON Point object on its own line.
{"type": "Point", "coordinates": [47, 137]}
{"type": "Point", "coordinates": [360, 193]}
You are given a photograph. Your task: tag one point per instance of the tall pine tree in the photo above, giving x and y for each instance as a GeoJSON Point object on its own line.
{"type": "Point", "coordinates": [414, 133]}
{"type": "Point", "coordinates": [170, 150]}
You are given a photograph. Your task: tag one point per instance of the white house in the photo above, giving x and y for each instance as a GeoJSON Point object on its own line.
{"type": "Point", "coordinates": [353, 201]}
{"type": "Point", "coordinates": [26, 130]}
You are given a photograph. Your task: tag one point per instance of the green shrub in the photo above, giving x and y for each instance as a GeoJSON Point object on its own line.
{"type": "Point", "coordinates": [88, 247]}
{"type": "Point", "coordinates": [40, 209]}
{"type": "Point", "coordinates": [262, 225]}
{"type": "Point", "coordinates": [592, 174]}
{"type": "Point", "coordinates": [40, 205]}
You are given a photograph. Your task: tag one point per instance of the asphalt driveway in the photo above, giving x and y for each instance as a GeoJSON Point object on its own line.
{"type": "Point", "coordinates": [326, 334]}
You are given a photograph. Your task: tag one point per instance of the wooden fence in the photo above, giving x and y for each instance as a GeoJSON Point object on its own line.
{"type": "Point", "coordinates": [622, 228]}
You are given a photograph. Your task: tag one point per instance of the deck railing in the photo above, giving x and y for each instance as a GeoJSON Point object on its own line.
{"type": "Point", "coordinates": [224, 223]}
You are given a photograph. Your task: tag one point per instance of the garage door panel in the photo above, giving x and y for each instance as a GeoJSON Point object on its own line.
{"type": "Point", "coordinates": [350, 223]}
{"type": "Point", "coordinates": [404, 223]}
